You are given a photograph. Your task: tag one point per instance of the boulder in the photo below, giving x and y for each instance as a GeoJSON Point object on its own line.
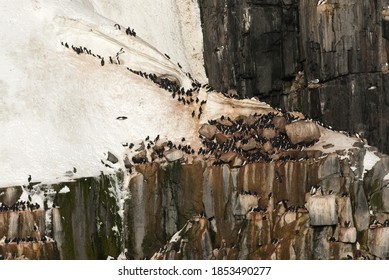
{"type": "Point", "coordinates": [238, 134]}
{"type": "Point", "coordinates": [173, 155]}
{"type": "Point", "coordinates": [269, 133]}
{"type": "Point", "coordinates": [279, 123]}
{"type": "Point", "coordinates": [302, 132]}
{"type": "Point", "coordinates": [112, 158]}
{"type": "Point", "coordinates": [227, 157]}
{"type": "Point", "coordinates": [238, 161]}
{"type": "Point", "coordinates": [10, 195]}
{"type": "Point", "coordinates": [208, 131]}
{"type": "Point", "coordinates": [267, 147]}
{"type": "Point", "coordinates": [222, 138]}
{"type": "Point", "coordinates": [250, 145]}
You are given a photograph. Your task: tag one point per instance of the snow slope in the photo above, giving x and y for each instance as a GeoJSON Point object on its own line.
{"type": "Point", "coordinates": [58, 109]}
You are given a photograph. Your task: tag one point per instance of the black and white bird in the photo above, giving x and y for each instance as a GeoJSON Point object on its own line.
{"type": "Point", "coordinates": [314, 189]}
{"type": "Point", "coordinates": [121, 118]}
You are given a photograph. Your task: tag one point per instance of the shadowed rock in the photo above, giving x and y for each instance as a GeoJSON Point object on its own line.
{"type": "Point", "coordinates": [112, 158]}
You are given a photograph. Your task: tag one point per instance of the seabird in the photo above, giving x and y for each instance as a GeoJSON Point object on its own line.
{"type": "Point", "coordinates": [344, 194]}
{"type": "Point", "coordinates": [117, 25]}
{"type": "Point", "coordinates": [314, 189]}
{"type": "Point", "coordinates": [102, 61]}
{"type": "Point", "coordinates": [167, 56]}
{"type": "Point", "coordinates": [29, 178]}
{"type": "Point", "coordinates": [121, 118]}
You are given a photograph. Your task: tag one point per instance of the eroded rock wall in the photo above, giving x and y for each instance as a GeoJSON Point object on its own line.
{"type": "Point", "coordinates": [316, 207]}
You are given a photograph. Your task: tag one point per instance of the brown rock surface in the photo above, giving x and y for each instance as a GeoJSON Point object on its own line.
{"type": "Point", "coordinates": [208, 131]}
{"type": "Point", "coordinates": [302, 132]}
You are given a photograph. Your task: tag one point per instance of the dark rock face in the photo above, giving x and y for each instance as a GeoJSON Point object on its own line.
{"type": "Point", "coordinates": [258, 47]}
{"type": "Point", "coordinates": [251, 46]}
{"type": "Point", "coordinates": [112, 158]}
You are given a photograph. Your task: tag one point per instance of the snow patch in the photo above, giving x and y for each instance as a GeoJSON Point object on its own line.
{"type": "Point", "coordinates": [64, 190]}
{"type": "Point", "coordinates": [51, 123]}
{"type": "Point", "coordinates": [369, 161]}
{"type": "Point", "coordinates": [115, 229]}
{"type": "Point", "coordinates": [122, 255]}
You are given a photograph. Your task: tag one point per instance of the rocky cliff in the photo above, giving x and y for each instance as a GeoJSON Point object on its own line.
{"type": "Point", "coordinates": [329, 61]}
{"type": "Point", "coordinates": [325, 202]}
{"type": "Point", "coordinates": [186, 172]}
